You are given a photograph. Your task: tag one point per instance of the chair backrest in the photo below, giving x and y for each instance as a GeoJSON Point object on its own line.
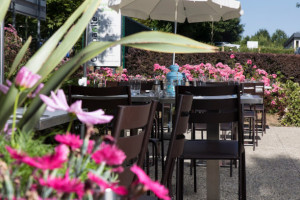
{"type": "Point", "coordinates": [175, 149]}
{"type": "Point", "coordinates": [96, 98]}
{"type": "Point", "coordinates": [215, 105]}
{"type": "Point", "coordinates": [134, 146]}
{"type": "Point", "coordinates": [254, 88]}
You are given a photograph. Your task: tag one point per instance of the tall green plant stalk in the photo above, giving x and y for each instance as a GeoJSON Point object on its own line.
{"type": "Point", "coordinates": [12, 140]}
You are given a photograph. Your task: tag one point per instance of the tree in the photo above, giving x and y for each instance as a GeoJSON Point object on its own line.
{"type": "Point", "coordinates": [279, 37]}
{"type": "Point", "coordinates": [263, 37]}
{"type": "Point", "coordinates": [157, 25]}
{"type": "Point", "coordinates": [57, 13]}
{"type": "Point", "coordinates": [245, 40]}
{"type": "Point", "coordinates": [229, 31]}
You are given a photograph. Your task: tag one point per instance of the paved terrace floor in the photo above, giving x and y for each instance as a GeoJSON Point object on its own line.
{"type": "Point", "coordinates": [273, 170]}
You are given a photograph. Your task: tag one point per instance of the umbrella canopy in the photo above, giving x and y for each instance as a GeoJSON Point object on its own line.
{"type": "Point", "coordinates": [179, 10]}
{"type": "Point", "coordinates": [192, 10]}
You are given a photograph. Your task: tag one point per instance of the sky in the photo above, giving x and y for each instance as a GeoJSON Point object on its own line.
{"type": "Point", "coordinates": [270, 15]}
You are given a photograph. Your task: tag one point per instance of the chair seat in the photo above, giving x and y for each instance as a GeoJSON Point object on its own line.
{"type": "Point", "coordinates": [200, 126]}
{"type": "Point", "coordinates": [247, 107]}
{"type": "Point", "coordinates": [226, 126]}
{"type": "Point", "coordinates": [210, 149]}
{"type": "Point", "coordinates": [259, 107]}
{"type": "Point", "coordinates": [248, 113]}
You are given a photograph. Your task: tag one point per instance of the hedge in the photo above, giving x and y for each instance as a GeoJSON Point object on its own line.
{"type": "Point", "coordinates": [259, 50]}
{"type": "Point", "coordinates": [141, 62]}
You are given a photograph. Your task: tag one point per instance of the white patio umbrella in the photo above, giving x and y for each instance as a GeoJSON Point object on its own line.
{"type": "Point", "coordinates": [178, 10]}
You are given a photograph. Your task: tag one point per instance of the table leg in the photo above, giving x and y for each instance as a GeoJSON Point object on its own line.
{"type": "Point", "coordinates": [162, 138]}
{"type": "Point", "coordinates": [212, 169]}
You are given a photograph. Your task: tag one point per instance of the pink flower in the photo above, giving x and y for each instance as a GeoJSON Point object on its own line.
{"type": "Point", "coordinates": [37, 90]}
{"type": "Point", "coordinates": [26, 79]}
{"type": "Point", "coordinates": [119, 169]}
{"type": "Point", "coordinates": [267, 92]}
{"type": "Point", "coordinates": [53, 161]}
{"type": "Point", "coordinates": [15, 154]}
{"type": "Point", "coordinates": [254, 67]}
{"type": "Point", "coordinates": [274, 75]}
{"type": "Point", "coordinates": [71, 140]}
{"type": "Point", "coordinates": [249, 62]}
{"type": "Point", "coordinates": [232, 56]}
{"type": "Point", "coordinates": [94, 117]}
{"type": "Point", "coordinates": [159, 190]}
{"type": "Point", "coordinates": [110, 154]}
{"type": "Point", "coordinates": [64, 185]}
{"type": "Point", "coordinates": [120, 190]}
{"type": "Point", "coordinates": [3, 88]}
{"type": "Point", "coordinates": [273, 102]}
{"type": "Point", "coordinates": [59, 102]}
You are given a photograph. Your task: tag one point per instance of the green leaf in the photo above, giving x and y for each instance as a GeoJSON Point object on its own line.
{"type": "Point", "coordinates": [161, 41]}
{"type": "Point", "coordinates": [3, 9]}
{"type": "Point", "coordinates": [32, 121]}
{"type": "Point", "coordinates": [19, 56]}
{"type": "Point", "coordinates": [7, 103]}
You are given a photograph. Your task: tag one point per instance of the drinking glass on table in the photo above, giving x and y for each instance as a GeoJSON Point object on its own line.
{"type": "Point", "coordinates": [135, 86]}
{"type": "Point", "coordinates": [202, 80]}
{"type": "Point", "coordinates": [101, 82]}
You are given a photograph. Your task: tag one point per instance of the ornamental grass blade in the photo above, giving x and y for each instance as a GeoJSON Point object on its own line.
{"type": "Point", "coordinates": [19, 57]}
{"type": "Point", "coordinates": [166, 42]}
{"type": "Point", "coordinates": [3, 9]}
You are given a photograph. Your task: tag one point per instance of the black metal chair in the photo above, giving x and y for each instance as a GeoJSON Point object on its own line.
{"type": "Point", "coordinates": [213, 111]}
{"type": "Point", "coordinates": [177, 138]}
{"type": "Point", "coordinates": [132, 117]}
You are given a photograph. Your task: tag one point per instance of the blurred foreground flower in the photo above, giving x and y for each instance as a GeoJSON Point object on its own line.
{"type": "Point", "coordinates": [110, 154]}
{"type": "Point", "coordinates": [159, 190]}
{"type": "Point", "coordinates": [59, 102]}
{"type": "Point", "coordinates": [26, 79]}
{"type": "Point", "coordinates": [120, 190]}
{"type": "Point", "coordinates": [64, 184]}
{"type": "Point", "coordinates": [46, 162]}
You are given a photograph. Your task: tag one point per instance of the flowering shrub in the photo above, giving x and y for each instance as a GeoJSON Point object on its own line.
{"type": "Point", "coordinates": [106, 74]}
{"type": "Point", "coordinates": [290, 100]}
{"type": "Point", "coordinates": [12, 45]}
{"type": "Point", "coordinates": [160, 72]}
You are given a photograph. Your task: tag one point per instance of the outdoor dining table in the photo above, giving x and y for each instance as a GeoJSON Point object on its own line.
{"type": "Point", "coordinates": [47, 120]}
{"type": "Point", "coordinates": [212, 169]}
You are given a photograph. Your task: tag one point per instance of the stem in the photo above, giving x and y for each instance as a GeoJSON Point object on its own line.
{"type": "Point", "coordinates": [70, 124]}
{"type": "Point", "coordinates": [14, 120]}
{"type": "Point", "coordinates": [100, 169]}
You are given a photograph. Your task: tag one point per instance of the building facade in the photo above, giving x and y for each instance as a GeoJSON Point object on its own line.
{"type": "Point", "coordinates": [293, 41]}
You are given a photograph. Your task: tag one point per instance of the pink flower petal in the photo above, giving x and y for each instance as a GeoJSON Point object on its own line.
{"type": "Point", "coordinates": [110, 154]}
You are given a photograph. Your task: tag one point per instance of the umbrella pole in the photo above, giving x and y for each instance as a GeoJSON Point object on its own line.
{"type": "Point", "coordinates": [175, 26]}
{"type": "Point", "coordinates": [175, 31]}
